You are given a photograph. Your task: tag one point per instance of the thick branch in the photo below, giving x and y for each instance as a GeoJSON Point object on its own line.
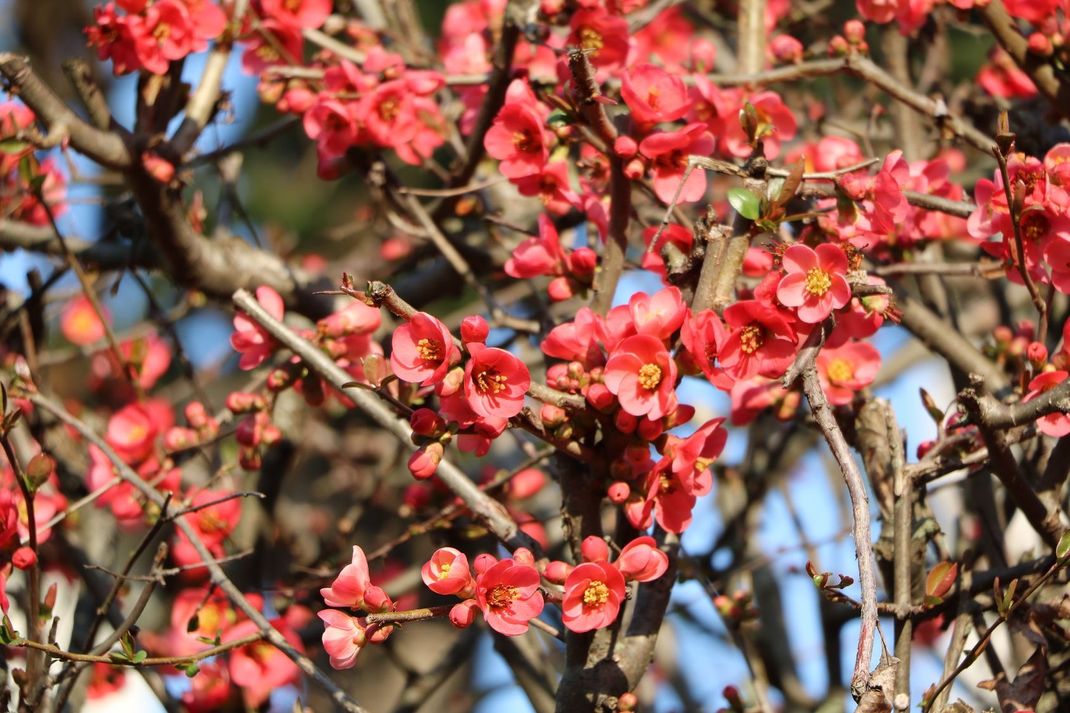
{"type": "Point", "coordinates": [105, 147]}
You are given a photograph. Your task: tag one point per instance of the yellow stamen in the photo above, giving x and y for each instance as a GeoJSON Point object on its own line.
{"type": "Point", "coordinates": [596, 594]}
{"type": "Point", "coordinates": [751, 339]}
{"type": "Point", "coordinates": [649, 376]}
{"type": "Point", "coordinates": [818, 282]}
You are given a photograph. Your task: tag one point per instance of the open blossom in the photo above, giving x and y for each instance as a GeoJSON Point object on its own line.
{"type": "Point", "coordinates": [297, 13]}
{"type": "Point", "coordinates": [761, 341]}
{"type": "Point", "coordinates": [80, 323]}
{"type": "Point", "coordinates": [816, 282]}
{"type": "Point", "coordinates": [508, 594]}
{"type": "Point", "coordinates": [540, 255]}
{"type": "Point", "coordinates": [495, 382]}
{"type": "Point", "coordinates": [593, 595]}
{"type": "Point", "coordinates": [846, 370]}
{"type": "Point", "coordinates": [518, 137]}
{"type": "Point", "coordinates": [447, 572]}
{"type": "Point", "coordinates": [668, 152]}
{"type": "Point", "coordinates": [260, 668]}
{"type": "Point", "coordinates": [642, 375]}
{"type": "Point", "coordinates": [603, 36]}
{"type": "Point", "coordinates": [660, 314]}
{"type": "Point", "coordinates": [250, 339]}
{"type": "Point", "coordinates": [353, 588]}
{"type": "Point", "coordinates": [423, 350]}
{"type": "Point", "coordinates": [641, 561]}
{"type": "Point", "coordinates": [653, 95]}
{"type": "Point", "coordinates": [343, 638]}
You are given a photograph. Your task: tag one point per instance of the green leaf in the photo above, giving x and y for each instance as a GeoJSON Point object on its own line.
{"type": "Point", "coordinates": [558, 117]}
{"type": "Point", "coordinates": [192, 669]}
{"type": "Point", "coordinates": [140, 656]}
{"type": "Point", "coordinates": [13, 146]}
{"type": "Point", "coordinates": [746, 203]}
{"type": "Point", "coordinates": [1063, 548]}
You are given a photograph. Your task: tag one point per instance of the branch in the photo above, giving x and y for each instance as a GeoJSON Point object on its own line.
{"type": "Point", "coordinates": [488, 510]}
{"type": "Point", "coordinates": [826, 421]}
{"type": "Point", "coordinates": [1040, 70]}
{"type": "Point", "coordinates": [218, 576]}
{"type": "Point", "coordinates": [105, 147]}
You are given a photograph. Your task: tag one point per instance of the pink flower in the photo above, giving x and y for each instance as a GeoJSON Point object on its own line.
{"type": "Point", "coordinates": [353, 589]}
{"type": "Point", "coordinates": [495, 382]}
{"type": "Point", "coordinates": [168, 35]}
{"type": "Point", "coordinates": [1057, 255]}
{"type": "Point", "coordinates": [668, 152]}
{"type": "Point", "coordinates": [878, 10]}
{"type": "Point", "coordinates": [343, 638]}
{"type": "Point", "coordinates": [775, 125]}
{"type": "Point", "coordinates": [846, 370]}
{"type": "Point", "coordinates": [551, 186]}
{"type": "Point", "coordinates": [815, 282]}
{"type": "Point", "coordinates": [447, 572]}
{"type": "Point", "coordinates": [761, 341]}
{"type": "Point", "coordinates": [423, 350]}
{"type": "Point", "coordinates": [642, 375]}
{"type": "Point", "coordinates": [693, 455]}
{"type": "Point", "coordinates": [132, 432]}
{"type": "Point", "coordinates": [702, 336]}
{"type": "Point", "coordinates": [1055, 424]}
{"type": "Point", "coordinates": [260, 668]}
{"type": "Point", "coordinates": [1032, 11]}
{"type": "Point", "coordinates": [518, 140]}
{"type": "Point", "coordinates": [660, 314]}
{"type": "Point", "coordinates": [653, 95]}
{"type": "Point", "coordinates": [642, 561]}
{"type": "Point", "coordinates": [80, 323]}
{"type": "Point", "coordinates": [1002, 77]}
{"type": "Point", "coordinates": [593, 595]}
{"type": "Point", "coordinates": [508, 594]}
{"type": "Point", "coordinates": [300, 13]}
{"type": "Point", "coordinates": [603, 36]}
{"type": "Point", "coordinates": [536, 256]}
{"type": "Point", "coordinates": [285, 46]}
{"type": "Point", "coordinates": [250, 339]}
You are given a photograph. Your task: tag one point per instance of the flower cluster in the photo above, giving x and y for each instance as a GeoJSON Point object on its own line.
{"type": "Point", "coordinates": [344, 634]}
{"type": "Point", "coordinates": [150, 34]}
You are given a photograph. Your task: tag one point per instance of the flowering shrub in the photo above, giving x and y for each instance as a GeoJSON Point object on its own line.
{"type": "Point", "coordinates": [606, 271]}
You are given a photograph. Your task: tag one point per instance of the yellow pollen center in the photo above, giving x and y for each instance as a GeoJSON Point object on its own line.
{"type": "Point", "coordinates": [444, 570]}
{"type": "Point", "coordinates": [751, 339]}
{"type": "Point", "coordinates": [590, 39]}
{"type": "Point", "coordinates": [649, 376]}
{"type": "Point", "coordinates": [1034, 226]}
{"type": "Point", "coordinates": [596, 594]}
{"type": "Point", "coordinates": [428, 350]}
{"type": "Point", "coordinates": [840, 370]}
{"type": "Point", "coordinates": [502, 596]}
{"type": "Point", "coordinates": [162, 31]}
{"type": "Point", "coordinates": [818, 282]}
{"type": "Point", "coordinates": [389, 110]}
{"type": "Point", "coordinates": [524, 141]}
{"type": "Point", "coordinates": [293, 5]}
{"type": "Point", "coordinates": [267, 53]}
{"type": "Point", "coordinates": [492, 382]}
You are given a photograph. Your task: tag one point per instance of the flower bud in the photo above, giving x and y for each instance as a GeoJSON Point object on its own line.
{"type": "Point", "coordinates": [425, 422]}
{"type": "Point", "coordinates": [625, 422]}
{"type": "Point", "coordinates": [594, 549]}
{"type": "Point", "coordinates": [462, 615]}
{"type": "Point", "coordinates": [599, 396]}
{"type": "Point", "coordinates": [552, 416]}
{"type": "Point", "coordinates": [560, 289]}
{"type": "Point", "coordinates": [523, 555]}
{"type": "Point", "coordinates": [854, 31]}
{"type": "Point", "coordinates": [474, 329]}
{"type": "Point", "coordinates": [627, 702]}
{"type": "Point", "coordinates": [484, 562]}
{"type": "Point", "coordinates": [24, 558]}
{"type": "Point", "coordinates": [557, 571]}
{"type": "Point", "coordinates": [1037, 353]}
{"type": "Point", "coordinates": [618, 492]}
{"type": "Point", "coordinates": [1039, 44]}
{"type": "Point", "coordinates": [424, 462]}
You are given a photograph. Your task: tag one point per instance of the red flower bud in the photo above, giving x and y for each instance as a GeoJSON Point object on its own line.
{"type": "Point", "coordinates": [618, 492]}
{"type": "Point", "coordinates": [474, 329]}
{"type": "Point", "coordinates": [24, 558]}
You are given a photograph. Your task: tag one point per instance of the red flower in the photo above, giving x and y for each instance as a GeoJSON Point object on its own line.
{"type": "Point", "coordinates": [668, 152]}
{"type": "Point", "coordinates": [642, 375]}
{"type": "Point", "coordinates": [847, 370]}
{"type": "Point", "coordinates": [508, 594]}
{"type": "Point", "coordinates": [518, 140]}
{"type": "Point", "coordinates": [593, 595]}
{"type": "Point", "coordinates": [816, 282]}
{"type": "Point", "coordinates": [250, 339]}
{"type": "Point", "coordinates": [658, 315]}
{"type": "Point", "coordinates": [603, 36]}
{"type": "Point", "coordinates": [761, 342]}
{"type": "Point", "coordinates": [423, 350]}
{"type": "Point", "coordinates": [302, 13]}
{"type": "Point", "coordinates": [80, 323]}
{"type": "Point", "coordinates": [540, 255]}
{"type": "Point", "coordinates": [654, 95]}
{"type": "Point", "coordinates": [1055, 424]}
{"type": "Point", "coordinates": [495, 382]}
{"type": "Point", "coordinates": [259, 668]}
